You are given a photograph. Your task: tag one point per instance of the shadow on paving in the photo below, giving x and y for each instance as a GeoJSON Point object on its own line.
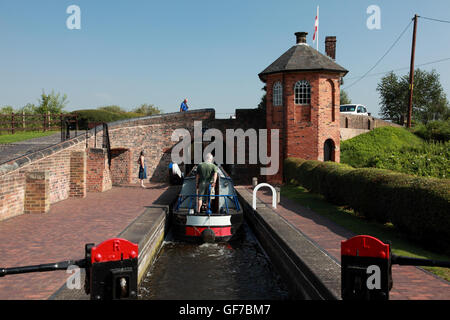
{"type": "Point", "coordinates": [307, 213]}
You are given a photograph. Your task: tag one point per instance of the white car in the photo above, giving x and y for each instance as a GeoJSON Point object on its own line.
{"type": "Point", "coordinates": [357, 109]}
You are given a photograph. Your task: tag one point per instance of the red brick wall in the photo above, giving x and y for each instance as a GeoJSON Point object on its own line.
{"type": "Point", "coordinates": [121, 165]}
{"type": "Point", "coordinates": [13, 178]}
{"type": "Point", "coordinates": [304, 129]}
{"type": "Point", "coordinates": [63, 164]}
{"type": "Point", "coordinates": [98, 176]}
{"type": "Point", "coordinates": [37, 191]}
{"type": "Point", "coordinates": [153, 136]}
{"type": "Point", "coordinates": [78, 167]}
{"type": "Point", "coordinates": [12, 195]}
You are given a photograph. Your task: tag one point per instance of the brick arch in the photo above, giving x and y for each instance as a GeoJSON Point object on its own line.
{"type": "Point", "coordinates": [329, 150]}
{"type": "Point", "coordinates": [331, 90]}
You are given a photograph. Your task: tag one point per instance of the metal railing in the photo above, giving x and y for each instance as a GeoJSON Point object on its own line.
{"type": "Point", "coordinates": [182, 198]}
{"type": "Point", "coordinates": [22, 122]}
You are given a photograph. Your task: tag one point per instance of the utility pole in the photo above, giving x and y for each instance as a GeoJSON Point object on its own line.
{"type": "Point", "coordinates": [411, 72]}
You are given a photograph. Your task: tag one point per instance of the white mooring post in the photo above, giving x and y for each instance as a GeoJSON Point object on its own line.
{"type": "Point", "coordinates": [274, 194]}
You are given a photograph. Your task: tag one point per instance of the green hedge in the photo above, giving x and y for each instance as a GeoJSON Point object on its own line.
{"type": "Point", "coordinates": [418, 206]}
{"type": "Point", "coordinates": [290, 169]}
{"type": "Point", "coordinates": [99, 115]}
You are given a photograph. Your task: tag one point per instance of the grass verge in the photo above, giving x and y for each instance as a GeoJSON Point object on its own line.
{"type": "Point", "coordinates": [21, 136]}
{"type": "Point", "coordinates": [350, 220]}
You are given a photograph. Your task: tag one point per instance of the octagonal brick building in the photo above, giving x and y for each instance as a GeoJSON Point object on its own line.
{"type": "Point", "coordinates": [303, 94]}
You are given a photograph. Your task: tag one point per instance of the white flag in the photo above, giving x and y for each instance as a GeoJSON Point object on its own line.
{"type": "Point", "coordinates": [316, 29]}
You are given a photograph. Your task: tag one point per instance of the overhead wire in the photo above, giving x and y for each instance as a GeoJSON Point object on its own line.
{"type": "Point", "coordinates": [367, 74]}
{"type": "Point", "coordinates": [398, 69]}
{"type": "Point", "coordinates": [433, 19]}
{"type": "Point", "coordinates": [384, 55]}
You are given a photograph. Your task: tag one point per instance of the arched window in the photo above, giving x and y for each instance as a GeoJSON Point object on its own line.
{"type": "Point", "coordinates": [302, 92]}
{"type": "Point", "coordinates": [277, 94]}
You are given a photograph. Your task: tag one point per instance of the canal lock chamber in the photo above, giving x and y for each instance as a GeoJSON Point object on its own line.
{"type": "Point", "coordinates": [267, 260]}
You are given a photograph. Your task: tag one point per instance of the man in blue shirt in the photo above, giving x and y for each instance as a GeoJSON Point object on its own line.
{"type": "Point", "coordinates": [184, 106]}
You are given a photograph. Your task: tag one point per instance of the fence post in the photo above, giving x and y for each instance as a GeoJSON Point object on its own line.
{"type": "Point", "coordinates": [76, 125]}
{"type": "Point", "coordinates": [12, 123]}
{"type": "Point", "coordinates": [48, 120]}
{"type": "Point", "coordinates": [23, 120]}
{"type": "Point", "coordinates": [44, 124]}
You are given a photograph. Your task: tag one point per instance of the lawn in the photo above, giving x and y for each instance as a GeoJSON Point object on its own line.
{"type": "Point", "coordinates": [359, 225]}
{"type": "Point", "coordinates": [21, 136]}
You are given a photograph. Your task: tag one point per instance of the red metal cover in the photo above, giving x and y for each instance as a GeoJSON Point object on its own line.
{"type": "Point", "coordinates": [114, 250]}
{"type": "Point", "coordinates": [365, 246]}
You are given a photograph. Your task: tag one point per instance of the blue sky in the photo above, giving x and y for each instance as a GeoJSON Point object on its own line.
{"type": "Point", "coordinates": [159, 52]}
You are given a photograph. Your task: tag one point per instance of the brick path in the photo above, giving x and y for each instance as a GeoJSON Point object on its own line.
{"type": "Point", "coordinates": [410, 283]}
{"type": "Point", "coordinates": [61, 235]}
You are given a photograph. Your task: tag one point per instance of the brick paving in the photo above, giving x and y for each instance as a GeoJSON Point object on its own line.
{"type": "Point", "coordinates": [410, 283]}
{"type": "Point", "coordinates": [62, 233]}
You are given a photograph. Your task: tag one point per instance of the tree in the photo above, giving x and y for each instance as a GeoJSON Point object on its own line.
{"type": "Point", "coordinates": [51, 103]}
{"type": "Point", "coordinates": [393, 98]}
{"type": "Point", "coordinates": [6, 110]}
{"type": "Point", "coordinates": [345, 99]}
{"type": "Point", "coordinates": [263, 102]}
{"type": "Point", "coordinates": [29, 108]}
{"type": "Point", "coordinates": [113, 109]}
{"type": "Point", "coordinates": [147, 110]}
{"type": "Point", "coordinates": [429, 100]}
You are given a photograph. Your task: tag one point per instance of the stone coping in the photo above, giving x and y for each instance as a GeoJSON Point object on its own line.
{"type": "Point", "coordinates": [308, 271]}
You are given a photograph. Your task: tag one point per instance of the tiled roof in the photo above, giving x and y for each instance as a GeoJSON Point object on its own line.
{"type": "Point", "coordinates": [302, 57]}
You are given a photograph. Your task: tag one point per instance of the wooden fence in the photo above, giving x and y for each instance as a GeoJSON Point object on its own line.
{"type": "Point", "coordinates": [19, 122]}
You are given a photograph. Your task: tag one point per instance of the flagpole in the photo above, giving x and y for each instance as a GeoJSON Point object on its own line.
{"type": "Point", "coordinates": [317, 42]}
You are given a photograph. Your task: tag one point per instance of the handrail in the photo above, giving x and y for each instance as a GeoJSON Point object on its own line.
{"type": "Point", "coordinates": [274, 193]}
{"type": "Point", "coordinates": [106, 142]}
{"type": "Point", "coordinates": [191, 196]}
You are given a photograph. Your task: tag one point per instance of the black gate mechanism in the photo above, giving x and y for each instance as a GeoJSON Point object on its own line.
{"type": "Point", "coordinates": [111, 269]}
{"type": "Point", "coordinates": [366, 268]}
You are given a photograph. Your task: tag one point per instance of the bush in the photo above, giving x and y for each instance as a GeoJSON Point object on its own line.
{"type": "Point", "coordinates": [418, 206]}
{"type": "Point", "coordinates": [330, 176]}
{"type": "Point", "coordinates": [290, 169]}
{"type": "Point", "coordinates": [368, 192]}
{"type": "Point", "coordinates": [305, 174]}
{"type": "Point", "coordinates": [434, 130]}
{"type": "Point", "coordinates": [100, 115]}
{"type": "Point", "coordinates": [399, 150]}
{"type": "Point", "coordinates": [431, 159]}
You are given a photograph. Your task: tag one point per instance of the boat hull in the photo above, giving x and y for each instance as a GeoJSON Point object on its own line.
{"type": "Point", "coordinates": [206, 228]}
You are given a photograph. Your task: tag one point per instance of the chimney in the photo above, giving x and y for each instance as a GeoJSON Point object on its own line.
{"type": "Point", "coordinates": [330, 47]}
{"type": "Point", "coordinates": [301, 37]}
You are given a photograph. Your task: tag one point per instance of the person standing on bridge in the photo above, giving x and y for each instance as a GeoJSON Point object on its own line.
{"type": "Point", "coordinates": [206, 175]}
{"type": "Point", "coordinates": [142, 168]}
{"type": "Point", "coordinates": [184, 107]}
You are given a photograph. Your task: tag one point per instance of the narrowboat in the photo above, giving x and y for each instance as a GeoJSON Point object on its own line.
{"type": "Point", "coordinates": [220, 217]}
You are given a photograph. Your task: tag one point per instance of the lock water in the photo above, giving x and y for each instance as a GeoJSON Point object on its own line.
{"type": "Point", "coordinates": [238, 270]}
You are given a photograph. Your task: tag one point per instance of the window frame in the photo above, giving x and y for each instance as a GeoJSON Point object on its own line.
{"type": "Point", "coordinates": [302, 98]}
{"type": "Point", "coordinates": [277, 94]}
